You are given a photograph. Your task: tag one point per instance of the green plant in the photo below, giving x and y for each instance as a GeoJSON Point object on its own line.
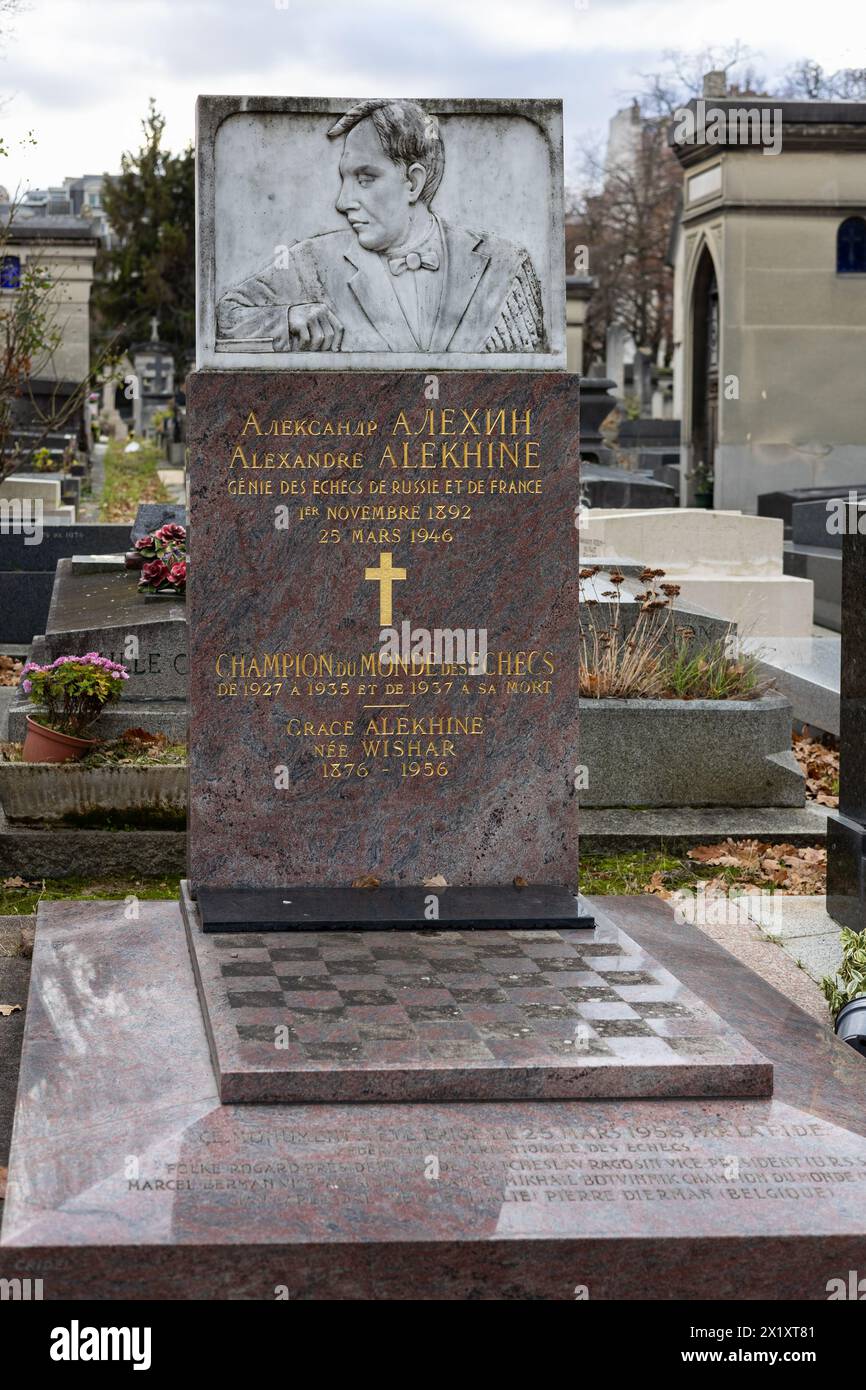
{"type": "Point", "coordinates": [73, 690]}
{"type": "Point", "coordinates": [708, 671]}
{"type": "Point", "coordinates": [43, 462]}
{"type": "Point", "coordinates": [850, 979]}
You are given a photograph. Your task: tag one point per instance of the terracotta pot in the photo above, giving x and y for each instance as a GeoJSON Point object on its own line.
{"type": "Point", "coordinates": [47, 746]}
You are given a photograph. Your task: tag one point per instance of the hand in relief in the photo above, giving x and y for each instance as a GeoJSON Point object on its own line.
{"type": "Point", "coordinates": [312, 328]}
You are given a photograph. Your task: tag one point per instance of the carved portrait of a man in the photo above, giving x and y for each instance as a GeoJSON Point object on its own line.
{"type": "Point", "coordinates": [398, 277]}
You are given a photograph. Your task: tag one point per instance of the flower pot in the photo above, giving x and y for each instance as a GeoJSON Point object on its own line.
{"type": "Point", "coordinates": [48, 746]}
{"type": "Point", "coordinates": [851, 1024]}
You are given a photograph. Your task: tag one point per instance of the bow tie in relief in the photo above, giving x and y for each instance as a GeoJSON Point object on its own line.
{"type": "Point", "coordinates": [414, 260]}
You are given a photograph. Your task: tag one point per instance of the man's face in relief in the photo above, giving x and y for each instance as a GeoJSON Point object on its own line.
{"type": "Point", "coordinates": [376, 195]}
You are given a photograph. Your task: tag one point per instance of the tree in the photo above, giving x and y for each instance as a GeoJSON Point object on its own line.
{"type": "Point", "coordinates": [625, 223]}
{"type": "Point", "coordinates": [681, 77]}
{"type": "Point", "coordinates": [628, 199]}
{"type": "Point", "coordinates": [808, 79]}
{"type": "Point", "coordinates": [150, 268]}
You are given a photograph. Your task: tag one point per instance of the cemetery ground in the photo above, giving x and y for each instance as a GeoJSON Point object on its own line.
{"type": "Point", "coordinates": [130, 479]}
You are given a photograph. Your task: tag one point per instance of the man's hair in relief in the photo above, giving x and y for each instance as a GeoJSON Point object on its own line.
{"type": "Point", "coordinates": [409, 135]}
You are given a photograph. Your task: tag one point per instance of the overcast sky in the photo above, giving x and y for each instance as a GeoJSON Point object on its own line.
{"type": "Point", "coordinates": [78, 73]}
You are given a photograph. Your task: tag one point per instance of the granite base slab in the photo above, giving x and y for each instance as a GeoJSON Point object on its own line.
{"type": "Point", "coordinates": [456, 1015]}
{"type": "Point", "coordinates": [386, 907]}
{"type": "Point", "coordinates": [148, 1187]}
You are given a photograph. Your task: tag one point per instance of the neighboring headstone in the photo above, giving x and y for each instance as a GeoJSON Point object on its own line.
{"type": "Point", "coordinates": [152, 515]}
{"type": "Point", "coordinates": [846, 829]}
{"type": "Point", "coordinates": [616, 340]}
{"type": "Point", "coordinates": [724, 562]}
{"type": "Point", "coordinates": [609, 486]}
{"type": "Point", "coordinates": [822, 566]}
{"type": "Point", "coordinates": [103, 611]}
{"type": "Point", "coordinates": [35, 486]}
{"type": "Point", "coordinates": [782, 503]}
{"type": "Point", "coordinates": [815, 552]}
{"type": "Point", "coordinates": [816, 524]}
{"type": "Point", "coordinates": [29, 552]}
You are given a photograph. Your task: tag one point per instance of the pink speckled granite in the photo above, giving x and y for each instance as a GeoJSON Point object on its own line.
{"type": "Point", "coordinates": [507, 805]}
{"type": "Point", "coordinates": [128, 1178]}
{"type": "Point", "coordinates": [457, 1015]}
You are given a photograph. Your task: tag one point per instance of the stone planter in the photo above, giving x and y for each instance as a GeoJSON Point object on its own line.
{"type": "Point", "coordinates": [689, 753]}
{"type": "Point", "coordinates": [49, 791]}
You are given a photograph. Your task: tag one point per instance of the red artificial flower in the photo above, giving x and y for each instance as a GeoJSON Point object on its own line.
{"type": "Point", "coordinates": [155, 572]}
{"type": "Point", "coordinates": [171, 532]}
{"type": "Point", "coordinates": [144, 543]}
{"type": "Point", "coordinates": [177, 573]}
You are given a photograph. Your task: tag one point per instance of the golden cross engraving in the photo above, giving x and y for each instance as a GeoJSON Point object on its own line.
{"type": "Point", "coordinates": [386, 577]}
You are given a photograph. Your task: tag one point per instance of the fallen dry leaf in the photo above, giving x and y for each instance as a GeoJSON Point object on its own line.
{"type": "Point", "coordinates": [15, 882]}
{"type": "Point", "coordinates": [4, 1176]}
{"type": "Point", "coordinates": [437, 881]}
{"type": "Point", "coordinates": [820, 763]}
{"type": "Point", "coordinates": [519, 882]}
{"type": "Point", "coordinates": [792, 869]}
{"type": "Point", "coordinates": [365, 881]}
{"type": "Point", "coordinates": [7, 1009]}
{"type": "Point", "coordinates": [656, 885]}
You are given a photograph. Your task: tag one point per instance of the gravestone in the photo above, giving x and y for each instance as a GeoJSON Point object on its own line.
{"type": "Point", "coordinates": [152, 515]}
{"type": "Point", "coordinates": [382, 822]}
{"type": "Point", "coordinates": [782, 503]}
{"type": "Point", "coordinates": [846, 828]}
{"type": "Point", "coordinates": [383, 595]}
{"type": "Point", "coordinates": [29, 552]}
{"type": "Point", "coordinates": [96, 606]}
{"type": "Point", "coordinates": [610, 486]}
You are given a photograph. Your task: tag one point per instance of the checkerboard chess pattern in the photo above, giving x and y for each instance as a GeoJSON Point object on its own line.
{"type": "Point", "coordinates": [458, 1014]}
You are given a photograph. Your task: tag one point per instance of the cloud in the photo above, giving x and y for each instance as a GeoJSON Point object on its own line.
{"type": "Point", "coordinates": [80, 71]}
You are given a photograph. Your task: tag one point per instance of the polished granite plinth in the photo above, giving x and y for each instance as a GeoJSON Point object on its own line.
{"type": "Point", "coordinates": [387, 907]}
{"type": "Point", "coordinates": [129, 1179]}
{"type": "Point", "coordinates": [443, 1015]}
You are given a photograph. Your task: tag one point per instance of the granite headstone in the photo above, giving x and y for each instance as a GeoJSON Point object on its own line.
{"type": "Point", "coordinates": [383, 595]}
